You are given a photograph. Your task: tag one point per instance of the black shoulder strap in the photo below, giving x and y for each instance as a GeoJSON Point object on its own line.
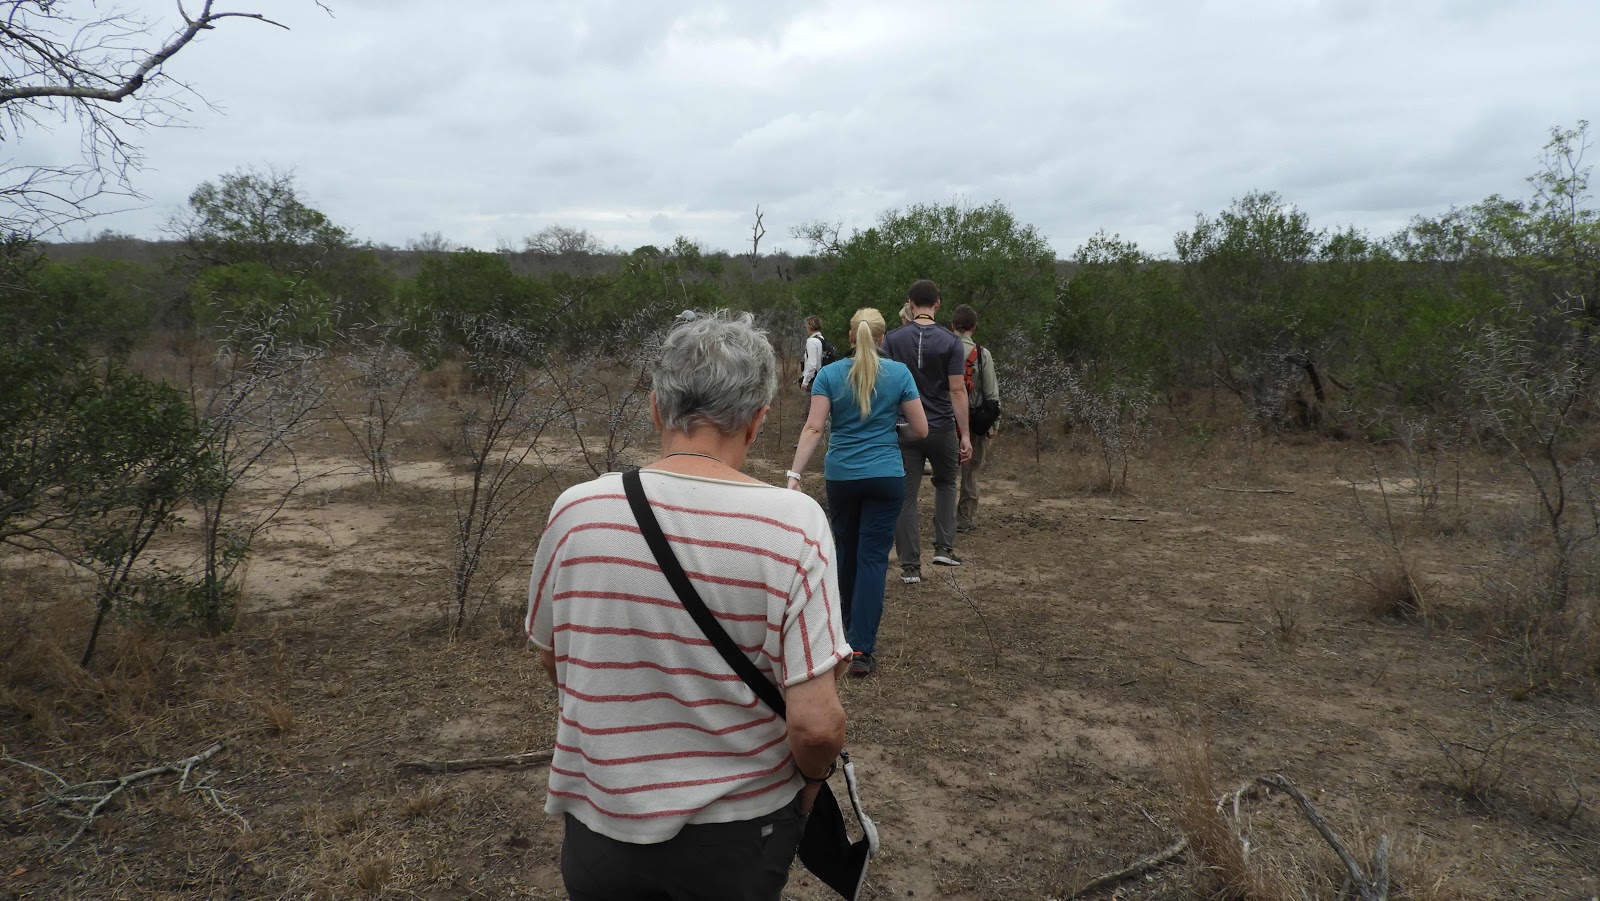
{"type": "Point", "coordinates": [633, 487]}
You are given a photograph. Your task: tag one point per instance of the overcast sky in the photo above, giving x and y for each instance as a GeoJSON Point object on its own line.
{"type": "Point", "coordinates": [644, 119]}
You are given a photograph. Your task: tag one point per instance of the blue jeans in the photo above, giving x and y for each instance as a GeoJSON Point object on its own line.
{"type": "Point", "coordinates": [863, 513]}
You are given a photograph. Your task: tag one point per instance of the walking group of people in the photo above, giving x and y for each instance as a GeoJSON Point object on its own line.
{"type": "Point", "coordinates": [695, 620]}
{"type": "Point", "coordinates": [901, 401]}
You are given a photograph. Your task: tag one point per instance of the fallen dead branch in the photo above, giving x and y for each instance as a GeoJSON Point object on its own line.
{"type": "Point", "coordinates": [1133, 870]}
{"type": "Point", "coordinates": [1375, 888]}
{"type": "Point", "coordinates": [1126, 518]}
{"type": "Point", "coordinates": [1251, 490]}
{"type": "Point", "coordinates": [99, 793]}
{"type": "Point", "coordinates": [463, 764]}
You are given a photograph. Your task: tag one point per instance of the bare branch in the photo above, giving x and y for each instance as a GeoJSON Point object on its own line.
{"type": "Point", "coordinates": [99, 793]}
{"type": "Point", "coordinates": [463, 764]}
{"type": "Point", "coordinates": [1138, 868]}
{"type": "Point", "coordinates": [1375, 889]}
{"type": "Point", "coordinates": [61, 63]}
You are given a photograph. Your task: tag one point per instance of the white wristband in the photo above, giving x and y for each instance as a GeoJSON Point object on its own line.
{"type": "Point", "coordinates": [794, 475]}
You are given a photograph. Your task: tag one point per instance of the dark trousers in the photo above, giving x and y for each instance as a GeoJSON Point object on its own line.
{"type": "Point", "coordinates": [863, 513]}
{"type": "Point", "coordinates": [943, 449]}
{"type": "Point", "coordinates": [744, 861]}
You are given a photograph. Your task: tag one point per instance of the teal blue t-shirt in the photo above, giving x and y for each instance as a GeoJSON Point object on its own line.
{"type": "Point", "coordinates": [864, 448]}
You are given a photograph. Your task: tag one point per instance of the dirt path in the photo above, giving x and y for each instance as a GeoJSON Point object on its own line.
{"type": "Point", "coordinates": [1018, 739]}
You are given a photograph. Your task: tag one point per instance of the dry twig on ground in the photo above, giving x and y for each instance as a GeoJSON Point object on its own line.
{"type": "Point", "coordinates": [99, 793]}
{"type": "Point", "coordinates": [463, 764]}
{"type": "Point", "coordinates": [1373, 888]}
{"type": "Point", "coordinates": [1138, 868]}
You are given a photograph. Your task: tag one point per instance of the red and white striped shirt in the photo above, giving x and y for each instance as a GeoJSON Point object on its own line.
{"type": "Point", "coordinates": [656, 731]}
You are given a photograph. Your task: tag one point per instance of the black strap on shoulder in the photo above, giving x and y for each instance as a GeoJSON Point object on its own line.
{"type": "Point", "coordinates": [633, 487]}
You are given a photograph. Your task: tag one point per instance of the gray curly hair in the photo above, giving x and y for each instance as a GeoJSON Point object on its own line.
{"type": "Point", "coordinates": [718, 368]}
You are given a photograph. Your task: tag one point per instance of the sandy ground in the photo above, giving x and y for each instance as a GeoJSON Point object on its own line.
{"type": "Point", "coordinates": [1020, 738]}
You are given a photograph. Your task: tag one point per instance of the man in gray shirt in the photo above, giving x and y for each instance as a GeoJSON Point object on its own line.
{"type": "Point", "coordinates": [937, 362]}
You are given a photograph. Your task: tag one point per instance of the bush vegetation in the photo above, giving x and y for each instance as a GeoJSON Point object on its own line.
{"type": "Point", "coordinates": [1482, 317]}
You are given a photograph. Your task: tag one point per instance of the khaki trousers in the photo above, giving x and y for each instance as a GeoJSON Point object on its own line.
{"type": "Point", "coordinates": [967, 507]}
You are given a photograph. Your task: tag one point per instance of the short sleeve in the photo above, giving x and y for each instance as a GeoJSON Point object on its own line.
{"type": "Point", "coordinates": [957, 364]}
{"type": "Point", "coordinates": [908, 386]}
{"type": "Point", "coordinates": [822, 382]}
{"type": "Point", "coordinates": [539, 622]}
{"type": "Point", "coordinates": [813, 629]}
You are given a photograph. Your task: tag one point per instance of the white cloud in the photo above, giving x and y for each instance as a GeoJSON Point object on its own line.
{"type": "Point", "coordinates": [639, 119]}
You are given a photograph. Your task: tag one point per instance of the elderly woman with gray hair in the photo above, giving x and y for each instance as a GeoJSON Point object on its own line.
{"type": "Point", "coordinates": [674, 779]}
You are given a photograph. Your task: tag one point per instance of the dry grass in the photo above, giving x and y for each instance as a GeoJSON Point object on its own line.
{"type": "Point", "coordinates": [1287, 618]}
{"type": "Point", "coordinates": [1282, 858]}
{"type": "Point", "coordinates": [427, 801]}
{"type": "Point", "coordinates": [1553, 644]}
{"type": "Point", "coordinates": [1221, 870]}
{"type": "Point", "coordinates": [991, 779]}
{"type": "Point", "coordinates": [279, 716]}
{"type": "Point", "coordinates": [446, 380]}
{"type": "Point", "coordinates": [373, 873]}
{"type": "Point", "coordinates": [1392, 591]}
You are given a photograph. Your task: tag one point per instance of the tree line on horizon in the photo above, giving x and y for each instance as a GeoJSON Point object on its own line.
{"type": "Point", "coordinates": [1255, 301]}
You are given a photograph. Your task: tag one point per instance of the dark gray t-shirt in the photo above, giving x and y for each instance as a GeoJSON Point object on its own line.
{"type": "Point", "coordinates": [933, 353]}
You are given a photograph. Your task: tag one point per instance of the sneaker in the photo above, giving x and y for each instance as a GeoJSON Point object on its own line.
{"type": "Point", "coordinates": [863, 664]}
{"type": "Point", "coordinates": [911, 575]}
{"type": "Point", "coordinates": [946, 557]}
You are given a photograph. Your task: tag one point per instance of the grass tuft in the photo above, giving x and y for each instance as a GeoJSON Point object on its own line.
{"type": "Point", "coordinates": [1221, 868]}
{"type": "Point", "coordinates": [1392, 592]}
{"type": "Point", "coordinates": [279, 716]}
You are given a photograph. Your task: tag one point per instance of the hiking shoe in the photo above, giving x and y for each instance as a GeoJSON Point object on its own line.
{"type": "Point", "coordinates": [946, 557]}
{"type": "Point", "coordinates": [911, 575]}
{"type": "Point", "coordinates": [965, 527]}
{"type": "Point", "coordinates": [863, 664]}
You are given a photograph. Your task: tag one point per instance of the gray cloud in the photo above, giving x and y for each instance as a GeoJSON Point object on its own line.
{"type": "Point", "coordinates": [640, 120]}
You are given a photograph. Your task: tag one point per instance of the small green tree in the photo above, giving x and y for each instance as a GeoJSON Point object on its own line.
{"type": "Point", "coordinates": [1247, 272]}
{"type": "Point", "coordinates": [95, 462]}
{"type": "Point", "coordinates": [158, 464]}
{"type": "Point", "coordinates": [1120, 312]}
{"type": "Point", "coordinates": [979, 255]}
{"type": "Point", "coordinates": [251, 215]}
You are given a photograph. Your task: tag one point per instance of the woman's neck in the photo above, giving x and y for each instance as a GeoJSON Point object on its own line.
{"type": "Point", "coordinates": [705, 451]}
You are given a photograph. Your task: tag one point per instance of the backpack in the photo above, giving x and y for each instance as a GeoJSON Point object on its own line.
{"type": "Point", "coordinates": [981, 417]}
{"type": "Point", "coordinates": [829, 355]}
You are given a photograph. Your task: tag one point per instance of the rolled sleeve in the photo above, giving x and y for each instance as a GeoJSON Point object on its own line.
{"type": "Point", "coordinates": [813, 628]}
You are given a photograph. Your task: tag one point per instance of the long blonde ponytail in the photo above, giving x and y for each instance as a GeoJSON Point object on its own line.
{"type": "Point", "coordinates": [867, 325]}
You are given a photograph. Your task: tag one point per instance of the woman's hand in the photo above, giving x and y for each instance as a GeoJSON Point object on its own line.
{"type": "Point", "coordinates": [794, 484]}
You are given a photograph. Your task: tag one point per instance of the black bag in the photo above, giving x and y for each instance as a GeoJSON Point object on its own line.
{"type": "Point", "coordinates": [825, 847]}
{"type": "Point", "coordinates": [981, 417]}
{"type": "Point", "coordinates": [984, 416]}
{"type": "Point", "coordinates": [829, 354]}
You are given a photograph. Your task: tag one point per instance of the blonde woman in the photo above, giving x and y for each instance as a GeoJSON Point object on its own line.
{"type": "Point", "coordinates": [871, 401]}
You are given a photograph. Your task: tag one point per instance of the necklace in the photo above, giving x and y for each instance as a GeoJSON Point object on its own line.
{"type": "Point", "coordinates": [692, 454]}
{"type": "Point", "coordinates": [921, 316]}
